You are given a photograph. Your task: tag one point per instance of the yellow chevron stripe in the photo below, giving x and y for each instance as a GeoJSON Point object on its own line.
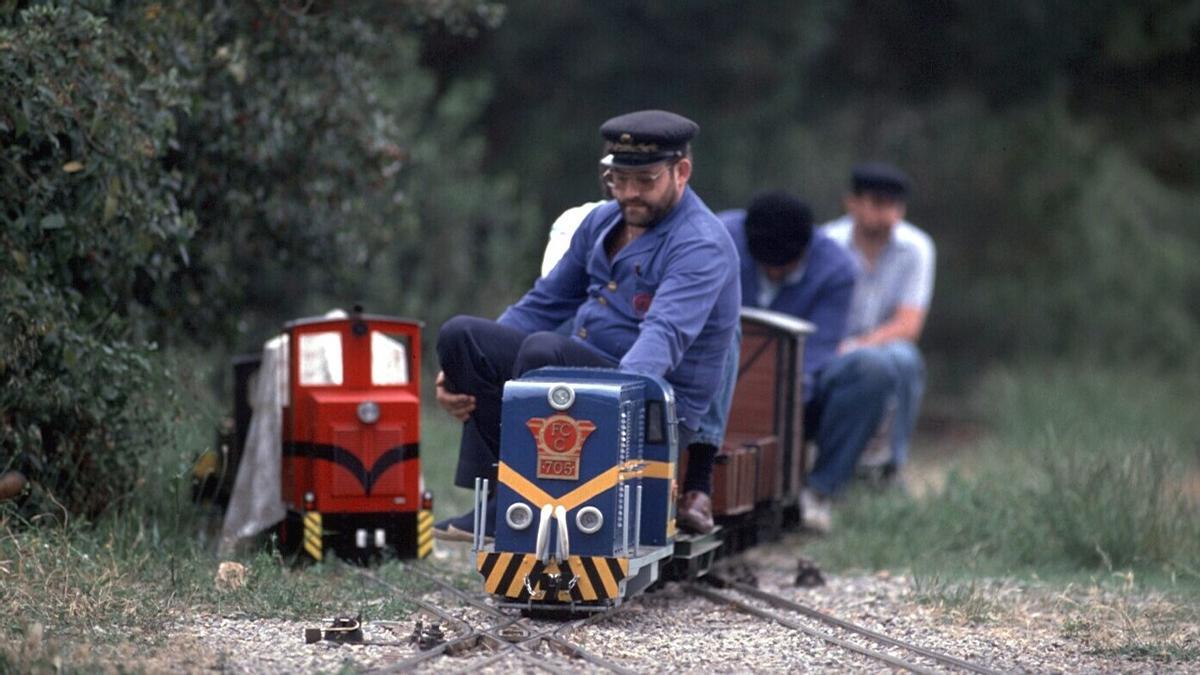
{"type": "Point", "coordinates": [480, 558]}
{"type": "Point", "coordinates": [498, 572]}
{"type": "Point", "coordinates": [518, 581]}
{"type": "Point", "coordinates": [313, 535]}
{"type": "Point", "coordinates": [585, 584]}
{"type": "Point", "coordinates": [538, 497]}
{"type": "Point", "coordinates": [664, 470]}
{"type": "Point", "coordinates": [424, 533]}
{"type": "Point", "coordinates": [592, 488]}
{"type": "Point", "coordinates": [522, 486]}
{"type": "Point", "coordinates": [606, 577]}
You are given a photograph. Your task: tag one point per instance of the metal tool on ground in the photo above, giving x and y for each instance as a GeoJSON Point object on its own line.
{"type": "Point", "coordinates": [808, 575]}
{"type": "Point", "coordinates": [343, 630]}
{"type": "Point", "coordinates": [427, 635]}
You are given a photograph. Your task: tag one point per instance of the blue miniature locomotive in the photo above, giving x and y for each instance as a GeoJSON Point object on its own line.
{"type": "Point", "coordinates": [585, 505]}
{"type": "Point", "coordinates": [586, 496]}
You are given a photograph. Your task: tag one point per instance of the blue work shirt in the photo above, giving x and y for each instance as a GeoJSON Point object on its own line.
{"type": "Point", "coordinates": [666, 304]}
{"type": "Point", "coordinates": [820, 292]}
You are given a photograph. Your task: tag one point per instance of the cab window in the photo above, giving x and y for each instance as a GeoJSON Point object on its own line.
{"type": "Point", "coordinates": [320, 359]}
{"type": "Point", "coordinates": [389, 359]}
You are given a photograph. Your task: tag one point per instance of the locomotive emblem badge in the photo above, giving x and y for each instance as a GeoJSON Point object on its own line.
{"type": "Point", "coordinates": [559, 439]}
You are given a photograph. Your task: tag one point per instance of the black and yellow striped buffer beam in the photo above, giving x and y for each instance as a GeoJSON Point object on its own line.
{"type": "Point", "coordinates": [595, 577]}
{"type": "Point", "coordinates": [313, 535]}
{"type": "Point", "coordinates": [424, 533]}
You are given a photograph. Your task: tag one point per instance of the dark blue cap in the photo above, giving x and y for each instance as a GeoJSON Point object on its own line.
{"type": "Point", "coordinates": [881, 178]}
{"type": "Point", "coordinates": [646, 137]}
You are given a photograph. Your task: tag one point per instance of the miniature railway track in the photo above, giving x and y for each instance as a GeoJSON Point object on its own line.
{"type": "Point", "coordinates": [506, 635]}
{"type": "Point", "coordinates": [790, 606]}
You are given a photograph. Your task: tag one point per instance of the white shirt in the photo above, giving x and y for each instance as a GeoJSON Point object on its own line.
{"type": "Point", "coordinates": [903, 274]}
{"type": "Point", "coordinates": [561, 232]}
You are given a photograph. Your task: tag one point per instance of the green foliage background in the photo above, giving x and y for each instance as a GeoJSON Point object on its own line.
{"type": "Point", "coordinates": [178, 179]}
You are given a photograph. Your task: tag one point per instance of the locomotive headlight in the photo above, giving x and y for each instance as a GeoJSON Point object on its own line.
{"type": "Point", "coordinates": [561, 396]}
{"type": "Point", "coordinates": [518, 516]}
{"type": "Point", "coordinates": [589, 519]}
{"type": "Point", "coordinates": [368, 412]}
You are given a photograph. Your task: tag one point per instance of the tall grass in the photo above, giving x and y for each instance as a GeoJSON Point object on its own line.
{"type": "Point", "coordinates": [1084, 472]}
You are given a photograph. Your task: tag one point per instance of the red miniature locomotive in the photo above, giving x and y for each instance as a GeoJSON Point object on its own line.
{"type": "Point", "coordinates": [351, 438]}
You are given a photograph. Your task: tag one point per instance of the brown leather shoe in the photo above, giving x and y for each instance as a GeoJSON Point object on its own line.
{"type": "Point", "coordinates": [695, 512]}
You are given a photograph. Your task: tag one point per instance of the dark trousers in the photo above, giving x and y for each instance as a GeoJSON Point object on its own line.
{"type": "Point", "coordinates": [478, 356]}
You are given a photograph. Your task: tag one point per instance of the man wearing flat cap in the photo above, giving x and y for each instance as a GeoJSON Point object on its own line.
{"type": "Point", "coordinates": [787, 267]}
{"type": "Point", "coordinates": [649, 284]}
{"type": "Point", "coordinates": [895, 264]}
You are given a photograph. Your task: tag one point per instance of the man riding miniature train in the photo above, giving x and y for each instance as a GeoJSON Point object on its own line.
{"type": "Point", "coordinates": [650, 282]}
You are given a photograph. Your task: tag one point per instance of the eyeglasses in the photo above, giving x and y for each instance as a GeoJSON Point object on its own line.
{"type": "Point", "coordinates": [640, 181]}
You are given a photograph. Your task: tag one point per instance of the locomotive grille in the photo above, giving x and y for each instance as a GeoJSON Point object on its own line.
{"type": "Point", "coordinates": [626, 436]}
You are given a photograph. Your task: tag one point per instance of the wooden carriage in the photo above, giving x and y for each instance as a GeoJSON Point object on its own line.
{"type": "Point", "coordinates": [760, 468]}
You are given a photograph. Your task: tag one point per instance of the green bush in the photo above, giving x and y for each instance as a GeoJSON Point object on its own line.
{"type": "Point", "coordinates": [176, 175]}
{"type": "Point", "coordinates": [89, 215]}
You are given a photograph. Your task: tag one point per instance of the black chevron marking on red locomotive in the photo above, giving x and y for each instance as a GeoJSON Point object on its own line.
{"type": "Point", "coordinates": [349, 461]}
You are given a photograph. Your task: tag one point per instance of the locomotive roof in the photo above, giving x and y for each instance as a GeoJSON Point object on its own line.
{"type": "Point", "coordinates": [779, 321]}
{"type": "Point", "coordinates": [307, 321]}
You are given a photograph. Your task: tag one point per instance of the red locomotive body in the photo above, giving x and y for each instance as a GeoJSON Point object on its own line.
{"type": "Point", "coordinates": [351, 439]}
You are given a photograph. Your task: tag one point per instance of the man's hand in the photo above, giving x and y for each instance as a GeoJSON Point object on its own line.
{"type": "Point", "coordinates": [848, 345]}
{"type": "Point", "coordinates": [458, 405]}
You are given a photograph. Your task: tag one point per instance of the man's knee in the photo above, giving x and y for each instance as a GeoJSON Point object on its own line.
{"type": "Point", "coordinates": [867, 367]}
{"type": "Point", "coordinates": [537, 350]}
{"type": "Point", "coordinates": [906, 358]}
{"type": "Point", "coordinates": [456, 333]}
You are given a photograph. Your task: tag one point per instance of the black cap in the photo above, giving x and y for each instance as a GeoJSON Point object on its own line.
{"type": "Point", "coordinates": [880, 178]}
{"type": "Point", "coordinates": [779, 228]}
{"type": "Point", "coordinates": [646, 137]}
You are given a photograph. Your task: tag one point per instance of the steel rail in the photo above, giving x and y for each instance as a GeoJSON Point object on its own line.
{"type": "Point", "coordinates": [784, 603]}
{"type": "Point", "coordinates": [555, 638]}
{"type": "Point", "coordinates": [721, 598]}
{"type": "Point", "coordinates": [471, 637]}
{"type": "Point", "coordinates": [504, 645]}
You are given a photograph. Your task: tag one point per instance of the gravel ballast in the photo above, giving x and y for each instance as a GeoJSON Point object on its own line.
{"type": "Point", "coordinates": [1001, 625]}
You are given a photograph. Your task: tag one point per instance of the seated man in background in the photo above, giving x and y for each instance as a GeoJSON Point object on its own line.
{"type": "Point", "coordinates": [891, 299]}
{"type": "Point", "coordinates": [787, 268]}
{"type": "Point", "coordinates": [650, 282]}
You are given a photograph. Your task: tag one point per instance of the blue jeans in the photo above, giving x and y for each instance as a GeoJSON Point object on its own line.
{"type": "Point", "coordinates": [716, 418]}
{"type": "Point", "coordinates": [478, 356]}
{"type": "Point", "coordinates": [851, 397]}
{"type": "Point", "coordinates": [910, 388]}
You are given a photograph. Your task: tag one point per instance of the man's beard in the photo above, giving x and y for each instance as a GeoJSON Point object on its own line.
{"type": "Point", "coordinates": [649, 214]}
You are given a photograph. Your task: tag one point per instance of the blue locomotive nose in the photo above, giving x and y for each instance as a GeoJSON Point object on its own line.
{"type": "Point", "coordinates": [585, 491]}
